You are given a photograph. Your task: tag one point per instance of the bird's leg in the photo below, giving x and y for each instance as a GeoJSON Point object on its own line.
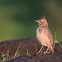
{"type": "Point", "coordinates": [40, 49]}
{"type": "Point", "coordinates": [47, 50]}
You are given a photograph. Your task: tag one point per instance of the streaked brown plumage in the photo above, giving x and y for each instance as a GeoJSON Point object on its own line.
{"type": "Point", "coordinates": [44, 35]}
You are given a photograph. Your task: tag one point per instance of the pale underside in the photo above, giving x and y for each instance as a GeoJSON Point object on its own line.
{"type": "Point", "coordinates": [44, 37]}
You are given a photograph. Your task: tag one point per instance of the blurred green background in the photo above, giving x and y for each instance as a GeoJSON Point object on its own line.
{"type": "Point", "coordinates": [17, 18]}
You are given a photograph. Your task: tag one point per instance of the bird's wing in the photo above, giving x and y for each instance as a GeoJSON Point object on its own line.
{"type": "Point", "coordinates": [50, 36]}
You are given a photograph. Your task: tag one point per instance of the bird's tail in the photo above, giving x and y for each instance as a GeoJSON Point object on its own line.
{"type": "Point", "coordinates": [52, 49]}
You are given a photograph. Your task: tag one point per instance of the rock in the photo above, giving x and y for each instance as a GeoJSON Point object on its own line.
{"type": "Point", "coordinates": [58, 49]}
{"type": "Point", "coordinates": [38, 58]}
{"type": "Point", "coordinates": [30, 44]}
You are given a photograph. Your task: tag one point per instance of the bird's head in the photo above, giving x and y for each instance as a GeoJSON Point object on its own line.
{"type": "Point", "coordinates": [42, 22]}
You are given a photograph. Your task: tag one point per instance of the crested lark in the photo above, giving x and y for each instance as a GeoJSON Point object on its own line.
{"type": "Point", "coordinates": [44, 35]}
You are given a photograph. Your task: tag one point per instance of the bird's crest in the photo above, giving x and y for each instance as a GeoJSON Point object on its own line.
{"type": "Point", "coordinates": [42, 17]}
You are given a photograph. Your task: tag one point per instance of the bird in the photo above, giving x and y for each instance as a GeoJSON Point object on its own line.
{"type": "Point", "coordinates": [44, 35]}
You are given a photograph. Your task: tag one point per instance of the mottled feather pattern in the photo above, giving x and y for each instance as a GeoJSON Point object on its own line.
{"type": "Point", "coordinates": [44, 35]}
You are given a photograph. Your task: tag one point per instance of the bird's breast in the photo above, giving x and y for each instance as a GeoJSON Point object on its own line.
{"type": "Point", "coordinates": [42, 37]}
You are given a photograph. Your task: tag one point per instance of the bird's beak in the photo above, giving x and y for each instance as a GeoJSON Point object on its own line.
{"type": "Point", "coordinates": [36, 21]}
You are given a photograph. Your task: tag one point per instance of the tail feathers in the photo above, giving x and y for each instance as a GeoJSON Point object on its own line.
{"type": "Point", "coordinates": [52, 49]}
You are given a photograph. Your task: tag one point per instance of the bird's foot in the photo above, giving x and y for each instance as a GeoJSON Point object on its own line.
{"type": "Point", "coordinates": [45, 52]}
{"type": "Point", "coordinates": [38, 53]}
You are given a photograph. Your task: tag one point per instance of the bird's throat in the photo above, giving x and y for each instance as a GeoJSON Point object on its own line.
{"type": "Point", "coordinates": [40, 29]}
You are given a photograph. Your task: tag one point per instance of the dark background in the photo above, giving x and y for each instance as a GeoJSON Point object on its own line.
{"type": "Point", "coordinates": [17, 18]}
